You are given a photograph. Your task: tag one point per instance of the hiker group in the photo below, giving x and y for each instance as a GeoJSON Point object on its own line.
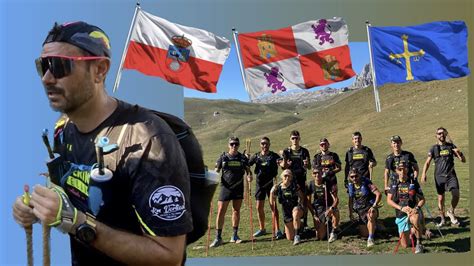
{"type": "Point", "coordinates": [320, 196]}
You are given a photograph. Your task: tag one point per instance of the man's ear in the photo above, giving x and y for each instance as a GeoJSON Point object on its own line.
{"type": "Point", "coordinates": [101, 68]}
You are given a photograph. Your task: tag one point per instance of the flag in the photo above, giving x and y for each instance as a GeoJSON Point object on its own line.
{"type": "Point", "coordinates": [182, 55]}
{"type": "Point", "coordinates": [431, 51]}
{"type": "Point", "coordinates": [306, 55]}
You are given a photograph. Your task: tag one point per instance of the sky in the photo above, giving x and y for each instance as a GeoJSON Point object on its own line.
{"type": "Point", "coordinates": [24, 110]}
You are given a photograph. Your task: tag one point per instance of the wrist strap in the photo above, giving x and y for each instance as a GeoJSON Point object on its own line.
{"type": "Point", "coordinates": [67, 214]}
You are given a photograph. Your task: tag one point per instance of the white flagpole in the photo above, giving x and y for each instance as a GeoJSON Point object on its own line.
{"type": "Point", "coordinates": [374, 80]}
{"type": "Point", "coordinates": [237, 47]}
{"type": "Point", "coordinates": [127, 42]}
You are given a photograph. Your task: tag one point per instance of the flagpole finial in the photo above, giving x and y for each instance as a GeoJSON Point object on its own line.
{"type": "Point", "coordinates": [367, 22]}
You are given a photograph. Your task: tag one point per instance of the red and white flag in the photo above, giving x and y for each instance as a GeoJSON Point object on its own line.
{"type": "Point", "coordinates": [182, 55]}
{"type": "Point", "coordinates": [306, 55]}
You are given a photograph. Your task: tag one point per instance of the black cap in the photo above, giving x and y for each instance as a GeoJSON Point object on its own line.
{"type": "Point", "coordinates": [85, 36]}
{"type": "Point", "coordinates": [234, 139]}
{"type": "Point", "coordinates": [323, 140]}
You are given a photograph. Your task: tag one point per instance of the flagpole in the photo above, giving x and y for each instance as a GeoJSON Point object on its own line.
{"type": "Point", "coordinates": [127, 43]}
{"type": "Point", "coordinates": [374, 80]}
{"type": "Point", "coordinates": [237, 47]}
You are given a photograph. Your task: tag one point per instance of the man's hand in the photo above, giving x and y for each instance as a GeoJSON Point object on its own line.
{"type": "Point", "coordinates": [423, 178]}
{"type": "Point", "coordinates": [45, 204]}
{"type": "Point", "coordinates": [22, 213]}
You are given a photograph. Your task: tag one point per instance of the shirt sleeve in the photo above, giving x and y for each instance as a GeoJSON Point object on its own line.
{"type": "Point", "coordinates": [412, 159]}
{"type": "Point", "coordinates": [253, 160]}
{"type": "Point", "coordinates": [336, 158]}
{"type": "Point", "coordinates": [388, 162]}
{"type": "Point", "coordinates": [371, 155]}
{"type": "Point", "coordinates": [219, 163]}
{"type": "Point", "coordinates": [161, 186]}
{"type": "Point", "coordinates": [431, 152]}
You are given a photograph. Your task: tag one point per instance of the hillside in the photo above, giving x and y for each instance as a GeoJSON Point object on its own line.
{"type": "Point", "coordinates": [413, 111]}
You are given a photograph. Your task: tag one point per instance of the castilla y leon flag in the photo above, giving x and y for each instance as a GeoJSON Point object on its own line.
{"type": "Point", "coordinates": [305, 55]}
{"type": "Point", "coordinates": [182, 55]}
{"type": "Point", "coordinates": [431, 51]}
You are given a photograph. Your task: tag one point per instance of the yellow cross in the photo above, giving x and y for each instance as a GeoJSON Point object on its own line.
{"type": "Point", "coordinates": [407, 54]}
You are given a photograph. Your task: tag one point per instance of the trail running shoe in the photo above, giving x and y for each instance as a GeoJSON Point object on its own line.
{"type": "Point", "coordinates": [296, 240]}
{"type": "Point", "coordinates": [235, 239]}
{"type": "Point", "coordinates": [419, 248]}
{"type": "Point", "coordinates": [453, 219]}
{"type": "Point", "coordinates": [279, 235]}
{"type": "Point", "coordinates": [217, 242]}
{"type": "Point", "coordinates": [332, 237]}
{"type": "Point", "coordinates": [370, 242]}
{"type": "Point", "coordinates": [260, 232]}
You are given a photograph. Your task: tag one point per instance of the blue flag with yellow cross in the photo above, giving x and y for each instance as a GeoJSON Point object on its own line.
{"type": "Point", "coordinates": [431, 51]}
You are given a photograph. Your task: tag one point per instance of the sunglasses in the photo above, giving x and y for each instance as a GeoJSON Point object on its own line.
{"type": "Point", "coordinates": [263, 143]}
{"type": "Point", "coordinates": [293, 138]}
{"type": "Point", "coordinates": [59, 65]}
{"type": "Point", "coordinates": [353, 176]}
{"type": "Point", "coordinates": [234, 144]}
{"type": "Point", "coordinates": [439, 133]}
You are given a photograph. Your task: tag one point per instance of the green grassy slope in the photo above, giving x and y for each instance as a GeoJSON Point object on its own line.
{"type": "Point", "coordinates": [412, 111]}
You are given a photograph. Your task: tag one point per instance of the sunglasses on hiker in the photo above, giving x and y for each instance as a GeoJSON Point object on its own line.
{"type": "Point", "coordinates": [59, 65]}
{"type": "Point", "coordinates": [294, 137]}
{"type": "Point", "coordinates": [234, 144]}
{"type": "Point", "coordinates": [440, 133]}
{"type": "Point", "coordinates": [264, 143]}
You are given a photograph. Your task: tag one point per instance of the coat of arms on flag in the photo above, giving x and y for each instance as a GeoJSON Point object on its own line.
{"type": "Point", "coordinates": [305, 55]}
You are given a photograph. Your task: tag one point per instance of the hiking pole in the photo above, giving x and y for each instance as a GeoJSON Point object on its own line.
{"type": "Point", "coordinates": [209, 228]}
{"type": "Point", "coordinates": [46, 228]}
{"type": "Point", "coordinates": [251, 216]}
{"type": "Point", "coordinates": [432, 219]}
{"type": "Point", "coordinates": [28, 229]}
{"type": "Point", "coordinates": [273, 223]}
{"type": "Point", "coordinates": [327, 218]}
{"type": "Point", "coordinates": [248, 144]}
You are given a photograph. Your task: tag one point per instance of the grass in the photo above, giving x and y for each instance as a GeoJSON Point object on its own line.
{"type": "Point", "coordinates": [412, 110]}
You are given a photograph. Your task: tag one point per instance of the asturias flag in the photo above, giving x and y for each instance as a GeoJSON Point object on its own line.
{"type": "Point", "coordinates": [306, 55]}
{"type": "Point", "coordinates": [430, 51]}
{"type": "Point", "coordinates": [182, 55]}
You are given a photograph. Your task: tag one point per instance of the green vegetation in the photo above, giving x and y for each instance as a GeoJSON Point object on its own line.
{"type": "Point", "coordinates": [413, 111]}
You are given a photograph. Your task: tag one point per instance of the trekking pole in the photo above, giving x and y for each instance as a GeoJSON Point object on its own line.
{"type": "Point", "coordinates": [251, 216]}
{"type": "Point", "coordinates": [327, 218]}
{"type": "Point", "coordinates": [432, 219]}
{"type": "Point", "coordinates": [46, 228]}
{"type": "Point", "coordinates": [209, 228]}
{"type": "Point", "coordinates": [28, 229]}
{"type": "Point", "coordinates": [273, 222]}
{"type": "Point", "coordinates": [248, 144]}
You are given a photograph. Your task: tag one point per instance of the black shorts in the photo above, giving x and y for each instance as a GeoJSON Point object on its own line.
{"type": "Point", "coordinates": [235, 193]}
{"type": "Point", "coordinates": [288, 213]}
{"type": "Point", "coordinates": [446, 183]}
{"type": "Point", "coordinates": [319, 212]}
{"type": "Point", "coordinates": [261, 192]}
{"type": "Point", "coordinates": [363, 215]}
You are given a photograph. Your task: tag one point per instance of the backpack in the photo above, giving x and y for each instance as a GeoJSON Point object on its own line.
{"type": "Point", "coordinates": [202, 188]}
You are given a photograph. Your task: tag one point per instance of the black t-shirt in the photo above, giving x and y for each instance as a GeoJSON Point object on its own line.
{"type": "Point", "coordinates": [288, 197]}
{"type": "Point", "coordinates": [266, 167]}
{"type": "Point", "coordinates": [233, 169]}
{"type": "Point", "coordinates": [393, 160]}
{"type": "Point", "coordinates": [359, 159]}
{"type": "Point", "coordinates": [443, 156]}
{"type": "Point", "coordinates": [297, 157]}
{"type": "Point", "coordinates": [327, 161]}
{"type": "Point", "coordinates": [362, 194]}
{"type": "Point", "coordinates": [405, 194]}
{"type": "Point", "coordinates": [319, 193]}
{"type": "Point", "coordinates": [149, 191]}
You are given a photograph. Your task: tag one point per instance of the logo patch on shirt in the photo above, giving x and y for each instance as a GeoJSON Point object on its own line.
{"type": "Point", "coordinates": [358, 156]}
{"type": "Point", "coordinates": [167, 203]}
{"type": "Point", "coordinates": [444, 152]}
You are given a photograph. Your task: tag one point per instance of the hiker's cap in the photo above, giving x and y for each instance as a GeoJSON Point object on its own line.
{"type": "Point", "coordinates": [85, 36]}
